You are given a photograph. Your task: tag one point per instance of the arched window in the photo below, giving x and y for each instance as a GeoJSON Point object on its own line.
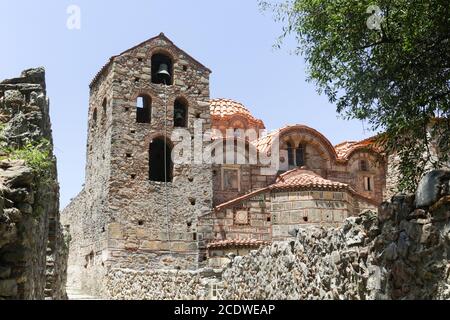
{"type": "Point", "coordinates": [290, 150]}
{"type": "Point", "coordinates": [162, 62]}
{"type": "Point", "coordinates": [160, 166]}
{"type": "Point", "coordinates": [368, 184]}
{"type": "Point", "coordinates": [180, 113]}
{"type": "Point", "coordinates": [300, 155]}
{"type": "Point", "coordinates": [94, 117]}
{"type": "Point", "coordinates": [104, 105]}
{"type": "Point", "coordinates": [104, 108]}
{"type": "Point", "coordinates": [143, 109]}
{"type": "Point", "coordinates": [363, 166]}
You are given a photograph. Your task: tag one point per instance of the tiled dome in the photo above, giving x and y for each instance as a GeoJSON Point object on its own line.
{"type": "Point", "coordinates": [226, 108]}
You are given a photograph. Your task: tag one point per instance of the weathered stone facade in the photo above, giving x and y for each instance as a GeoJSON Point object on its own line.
{"type": "Point", "coordinates": [33, 248]}
{"type": "Point", "coordinates": [138, 210]}
{"type": "Point", "coordinates": [121, 219]}
{"type": "Point", "coordinates": [402, 253]}
{"type": "Point", "coordinates": [297, 199]}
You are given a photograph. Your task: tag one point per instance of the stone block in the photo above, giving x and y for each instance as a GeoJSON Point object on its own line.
{"type": "Point", "coordinates": [179, 246]}
{"type": "Point", "coordinates": [13, 98]}
{"type": "Point", "coordinates": [432, 187]}
{"type": "Point", "coordinates": [339, 216]}
{"type": "Point", "coordinates": [141, 233]}
{"type": "Point", "coordinates": [131, 245]}
{"type": "Point", "coordinates": [151, 245]}
{"type": "Point", "coordinates": [296, 217]}
{"type": "Point", "coordinates": [257, 223]}
{"type": "Point", "coordinates": [297, 205]}
{"type": "Point", "coordinates": [254, 204]}
{"type": "Point", "coordinates": [115, 231]}
{"type": "Point", "coordinates": [327, 215]}
{"type": "Point", "coordinates": [327, 195]}
{"type": "Point", "coordinates": [293, 196]}
{"type": "Point", "coordinates": [117, 244]}
{"type": "Point", "coordinates": [207, 229]}
{"type": "Point", "coordinates": [277, 206]}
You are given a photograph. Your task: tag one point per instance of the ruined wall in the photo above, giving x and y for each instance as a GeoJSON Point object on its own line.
{"type": "Point", "coordinates": [33, 249]}
{"type": "Point", "coordinates": [401, 254]}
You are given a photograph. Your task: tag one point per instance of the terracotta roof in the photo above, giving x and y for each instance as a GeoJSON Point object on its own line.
{"type": "Point", "coordinates": [241, 198]}
{"type": "Point", "coordinates": [341, 152]}
{"type": "Point", "coordinates": [227, 108]}
{"type": "Point", "coordinates": [264, 143]}
{"type": "Point", "coordinates": [237, 243]}
{"type": "Point", "coordinates": [162, 36]}
{"type": "Point", "coordinates": [345, 149]}
{"type": "Point", "coordinates": [299, 179]}
{"type": "Point", "coordinates": [302, 178]}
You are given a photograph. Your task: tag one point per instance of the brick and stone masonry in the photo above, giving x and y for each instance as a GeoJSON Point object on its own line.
{"type": "Point", "coordinates": [121, 219]}
{"type": "Point", "coordinates": [127, 217]}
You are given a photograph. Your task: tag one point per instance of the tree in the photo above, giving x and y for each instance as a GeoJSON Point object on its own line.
{"type": "Point", "coordinates": [386, 62]}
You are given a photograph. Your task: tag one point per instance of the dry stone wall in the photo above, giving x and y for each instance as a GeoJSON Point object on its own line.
{"type": "Point", "coordinates": [33, 249]}
{"type": "Point", "coordinates": [127, 284]}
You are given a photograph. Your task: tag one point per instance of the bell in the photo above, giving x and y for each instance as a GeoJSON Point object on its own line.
{"type": "Point", "coordinates": [163, 71]}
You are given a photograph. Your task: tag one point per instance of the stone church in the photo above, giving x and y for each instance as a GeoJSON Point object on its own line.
{"type": "Point", "coordinates": [139, 209]}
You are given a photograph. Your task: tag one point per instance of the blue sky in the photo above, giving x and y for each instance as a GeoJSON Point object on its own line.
{"type": "Point", "coordinates": [231, 37]}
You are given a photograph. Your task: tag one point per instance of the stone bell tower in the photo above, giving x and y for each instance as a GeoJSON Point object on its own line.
{"type": "Point", "coordinates": [139, 210]}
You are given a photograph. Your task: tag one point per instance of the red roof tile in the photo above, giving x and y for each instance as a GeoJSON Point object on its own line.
{"type": "Point", "coordinates": [227, 108]}
{"type": "Point", "coordinates": [264, 143]}
{"type": "Point", "coordinates": [299, 179]}
{"type": "Point", "coordinates": [302, 178]}
{"type": "Point", "coordinates": [341, 152]}
{"type": "Point", "coordinates": [345, 149]}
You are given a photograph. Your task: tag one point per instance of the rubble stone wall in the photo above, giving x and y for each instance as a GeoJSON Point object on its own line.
{"type": "Point", "coordinates": [127, 284]}
{"type": "Point", "coordinates": [33, 249]}
{"type": "Point", "coordinates": [121, 219]}
{"type": "Point", "coordinates": [155, 227]}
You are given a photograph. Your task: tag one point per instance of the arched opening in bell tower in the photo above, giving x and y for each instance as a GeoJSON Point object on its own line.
{"type": "Point", "coordinates": [180, 113]}
{"type": "Point", "coordinates": [143, 109]}
{"type": "Point", "coordinates": [160, 166]}
{"type": "Point", "coordinates": [162, 69]}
